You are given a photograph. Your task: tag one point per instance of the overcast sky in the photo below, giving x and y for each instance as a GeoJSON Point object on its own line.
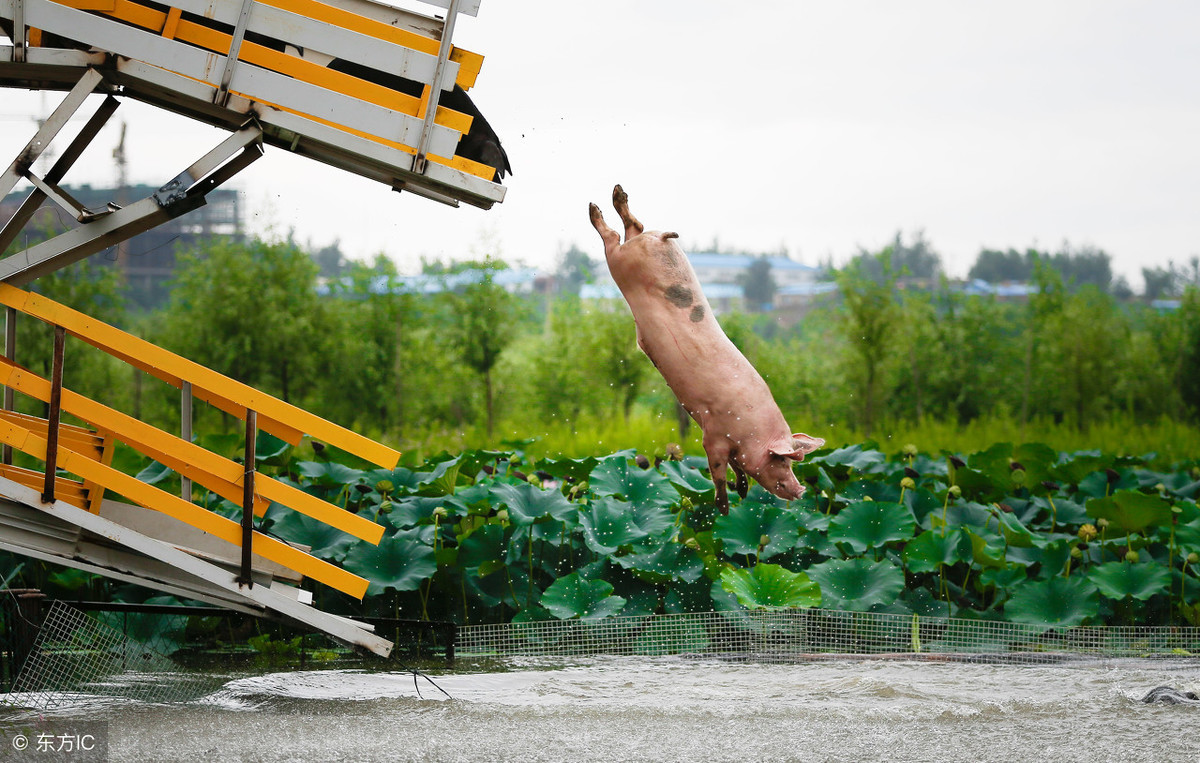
{"type": "Point", "coordinates": [816, 127]}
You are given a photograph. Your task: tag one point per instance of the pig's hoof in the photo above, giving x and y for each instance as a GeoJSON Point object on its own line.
{"type": "Point", "coordinates": [619, 195]}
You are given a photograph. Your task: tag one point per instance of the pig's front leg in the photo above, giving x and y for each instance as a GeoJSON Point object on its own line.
{"type": "Point", "coordinates": [742, 485]}
{"type": "Point", "coordinates": [717, 463]}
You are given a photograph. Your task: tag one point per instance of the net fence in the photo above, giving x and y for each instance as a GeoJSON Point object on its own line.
{"type": "Point", "coordinates": [800, 635]}
{"type": "Point", "coordinates": [78, 657]}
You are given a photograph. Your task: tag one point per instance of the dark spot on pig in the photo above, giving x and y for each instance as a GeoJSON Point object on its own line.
{"type": "Point", "coordinates": [679, 295]}
{"type": "Point", "coordinates": [697, 314]}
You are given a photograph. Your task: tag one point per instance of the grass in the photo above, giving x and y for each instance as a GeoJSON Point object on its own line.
{"type": "Point", "coordinates": [1171, 441]}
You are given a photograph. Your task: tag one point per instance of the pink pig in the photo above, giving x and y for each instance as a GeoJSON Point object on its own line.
{"type": "Point", "coordinates": [743, 427]}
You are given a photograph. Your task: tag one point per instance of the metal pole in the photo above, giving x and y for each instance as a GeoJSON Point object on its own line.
{"type": "Point", "coordinates": [248, 499]}
{"type": "Point", "coordinates": [10, 352]}
{"type": "Point", "coordinates": [435, 89]}
{"type": "Point", "coordinates": [55, 413]}
{"type": "Point", "coordinates": [185, 431]}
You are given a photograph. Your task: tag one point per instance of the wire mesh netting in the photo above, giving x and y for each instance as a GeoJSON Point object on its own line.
{"type": "Point", "coordinates": [798, 635]}
{"type": "Point", "coordinates": [79, 656]}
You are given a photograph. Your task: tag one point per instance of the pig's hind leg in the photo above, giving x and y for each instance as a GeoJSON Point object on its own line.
{"type": "Point", "coordinates": [621, 204]}
{"type": "Point", "coordinates": [610, 237]}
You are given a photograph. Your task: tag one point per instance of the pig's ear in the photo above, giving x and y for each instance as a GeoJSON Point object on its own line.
{"type": "Point", "coordinates": [800, 446]}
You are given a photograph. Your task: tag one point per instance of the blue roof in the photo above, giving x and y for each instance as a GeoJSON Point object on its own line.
{"type": "Point", "coordinates": [742, 261]}
{"type": "Point", "coordinates": [434, 284]}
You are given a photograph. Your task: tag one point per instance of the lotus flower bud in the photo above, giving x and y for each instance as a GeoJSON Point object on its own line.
{"type": "Point", "coordinates": [910, 450]}
{"type": "Point", "coordinates": [1018, 476]}
{"type": "Point", "coordinates": [1076, 552]}
{"type": "Point", "coordinates": [908, 483]}
{"type": "Point", "coordinates": [763, 540]}
{"type": "Point", "coordinates": [955, 491]}
{"type": "Point", "coordinates": [384, 486]}
{"type": "Point", "coordinates": [1131, 556]}
{"type": "Point", "coordinates": [1102, 522]}
{"type": "Point", "coordinates": [502, 515]}
{"type": "Point", "coordinates": [1193, 558]}
{"type": "Point", "coordinates": [440, 511]}
{"type": "Point", "coordinates": [1088, 532]}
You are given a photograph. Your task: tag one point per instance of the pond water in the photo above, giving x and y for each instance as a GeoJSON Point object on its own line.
{"type": "Point", "coordinates": [617, 709]}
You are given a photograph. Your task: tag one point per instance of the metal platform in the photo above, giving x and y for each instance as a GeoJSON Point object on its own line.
{"type": "Point", "coordinates": [351, 83]}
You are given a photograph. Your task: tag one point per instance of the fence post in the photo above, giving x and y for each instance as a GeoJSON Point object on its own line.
{"type": "Point", "coordinates": [248, 499]}
{"type": "Point", "coordinates": [24, 622]}
{"type": "Point", "coordinates": [55, 413]}
{"type": "Point", "coordinates": [10, 352]}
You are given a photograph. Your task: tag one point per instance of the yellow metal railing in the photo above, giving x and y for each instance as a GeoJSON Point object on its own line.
{"type": "Point", "coordinates": [88, 454]}
{"type": "Point", "coordinates": [171, 25]}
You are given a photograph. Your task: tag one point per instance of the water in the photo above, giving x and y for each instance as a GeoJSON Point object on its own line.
{"type": "Point", "coordinates": [637, 709]}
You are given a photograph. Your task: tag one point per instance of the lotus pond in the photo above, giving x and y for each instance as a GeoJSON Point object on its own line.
{"type": "Point", "coordinates": [1020, 533]}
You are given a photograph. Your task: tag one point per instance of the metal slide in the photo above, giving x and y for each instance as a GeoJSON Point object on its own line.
{"type": "Point", "coordinates": [355, 84]}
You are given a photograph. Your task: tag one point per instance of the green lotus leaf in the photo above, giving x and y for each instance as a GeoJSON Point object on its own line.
{"type": "Point", "coordinates": [872, 524]}
{"type": "Point", "coordinates": [686, 479]}
{"type": "Point", "coordinates": [154, 473]}
{"type": "Point", "coordinates": [485, 544]}
{"type": "Point", "coordinates": [1075, 466]}
{"type": "Point", "coordinates": [662, 563]}
{"type": "Point", "coordinates": [931, 549]}
{"type": "Point", "coordinates": [608, 524]}
{"type": "Point", "coordinates": [268, 447]}
{"type": "Point", "coordinates": [1117, 580]}
{"type": "Point", "coordinates": [1016, 535]}
{"type": "Point", "coordinates": [574, 596]}
{"type": "Point", "coordinates": [1131, 511]}
{"type": "Point", "coordinates": [415, 509]}
{"type": "Point", "coordinates": [743, 528]}
{"type": "Point", "coordinates": [986, 552]}
{"type": "Point", "coordinates": [1055, 603]}
{"type": "Point", "coordinates": [399, 562]}
{"type": "Point", "coordinates": [769, 586]}
{"type": "Point", "coordinates": [571, 469]}
{"type": "Point", "coordinates": [329, 472]}
{"type": "Point", "coordinates": [856, 457]}
{"type": "Point", "coordinates": [440, 481]}
{"type": "Point", "coordinates": [615, 477]}
{"type": "Point", "coordinates": [527, 504]}
{"type": "Point", "coordinates": [327, 542]}
{"type": "Point", "coordinates": [857, 584]}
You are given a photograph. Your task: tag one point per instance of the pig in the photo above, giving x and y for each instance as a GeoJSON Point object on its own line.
{"type": "Point", "coordinates": [743, 426]}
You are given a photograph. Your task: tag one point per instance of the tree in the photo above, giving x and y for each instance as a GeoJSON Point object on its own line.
{"type": "Point", "coordinates": [249, 310]}
{"type": "Point", "coordinates": [482, 324]}
{"type": "Point", "coordinates": [575, 268]}
{"type": "Point", "coordinates": [994, 266]}
{"type": "Point", "coordinates": [868, 321]}
{"type": "Point", "coordinates": [759, 285]}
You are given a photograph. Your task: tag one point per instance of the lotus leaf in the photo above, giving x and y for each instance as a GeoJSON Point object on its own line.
{"type": "Point", "coordinates": [327, 542]}
{"type": "Point", "coordinates": [527, 504]}
{"type": "Point", "coordinates": [769, 586]}
{"type": "Point", "coordinates": [986, 552]}
{"type": "Point", "coordinates": [1117, 580]}
{"type": "Point", "coordinates": [872, 524]}
{"type": "Point", "coordinates": [856, 457]}
{"type": "Point", "coordinates": [1131, 511]}
{"type": "Point", "coordinates": [154, 473]}
{"type": "Point", "coordinates": [929, 550]}
{"type": "Point", "coordinates": [663, 562]}
{"type": "Point", "coordinates": [483, 545]}
{"type": "Point", "coordinates": [608, 524]}
{"type": "Point", "coordinates": [574, 596]}
{"type": "Point", "coordinates": [858, 585]}
{"type": "Point", "coordinates": [615, 477]}
{"type": "Point", "coordinates": [400, 562]}
{"type": "Point", "coordinates": [743, 528]}
{"type": "Point", "coordinates": [688, 480]}
{"type": "Point", "coordinates": [329, 472]}
{"type": "Point", "coordinates": [1055, 603]}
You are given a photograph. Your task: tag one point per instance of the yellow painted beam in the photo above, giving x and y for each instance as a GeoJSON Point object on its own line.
{"type": "Point", "coordinates": [221, 475]}
{"type": "Point", "coordinates": [122, 344]}
{"type": "Point", "coordinates": [259, 55]}
{"type": "Point", "coordinates": [152, 498]}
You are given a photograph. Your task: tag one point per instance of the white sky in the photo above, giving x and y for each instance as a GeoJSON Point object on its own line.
{"type": "Point", "coordinates": [816, 126]}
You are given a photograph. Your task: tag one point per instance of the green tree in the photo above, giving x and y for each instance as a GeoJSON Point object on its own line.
{"type": "Point", "coordinates": [249, 310]}
{"type": "Point", "coordinates": [869, 316]}
{"type": "Point", "coordinates": [759, 285]}
{"type": "Point", "coordinates": [1189, 361]}
{"type": "Point", "coordinates": [575, 268]}
{"type": "Point", "coordinates": [483, 314]}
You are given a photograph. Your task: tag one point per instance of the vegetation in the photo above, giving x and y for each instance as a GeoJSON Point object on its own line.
{"type": "Point", "coordinates": [545, 399]}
